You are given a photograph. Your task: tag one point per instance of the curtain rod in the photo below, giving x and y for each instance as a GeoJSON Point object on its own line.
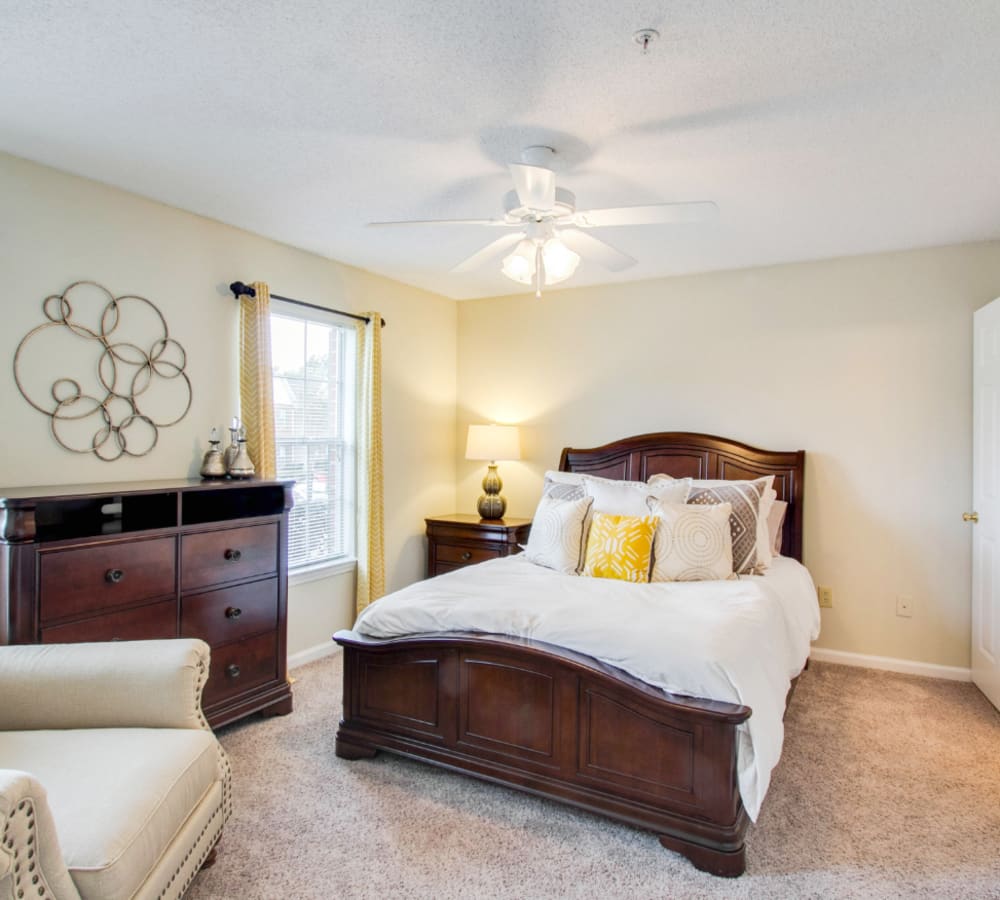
{"type": "Point", "coordinates": [240, 289]}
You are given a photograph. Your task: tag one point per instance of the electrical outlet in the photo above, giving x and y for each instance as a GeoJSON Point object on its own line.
{"type": "Point", "coordinates": [904, 606]}
{"type": "Point", "coordinates": [825, 595]}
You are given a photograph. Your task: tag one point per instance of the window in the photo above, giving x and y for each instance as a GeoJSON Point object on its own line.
{"type": "Point", "coordinates": [313, 358]}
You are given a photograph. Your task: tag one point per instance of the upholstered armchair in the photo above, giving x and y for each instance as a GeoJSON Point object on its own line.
{"type": "Point", "coordinates": [112, 784]}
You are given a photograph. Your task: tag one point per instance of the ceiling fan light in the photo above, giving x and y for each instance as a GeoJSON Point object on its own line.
{"type": "Point", "coordinates": [519, 266]}
{"type": "Point", "coordinates": [560, 261]}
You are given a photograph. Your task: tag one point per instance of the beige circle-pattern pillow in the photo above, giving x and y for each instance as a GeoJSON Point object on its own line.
{"type": "Point", "coordinates": [692, 542]}
{"type": "Point", "coordinates": [556, 538]}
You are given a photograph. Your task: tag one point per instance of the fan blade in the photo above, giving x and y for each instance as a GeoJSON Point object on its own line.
{"type": "Point", "coordinates": [491, 250]}
{"type": "Point", "coordinates": [655, 214]}
{"type": "Point", "coordinates": [535, 186]}
{"type": "Point", "coordinates": [443, 222]}
{"type": "Point", "coordinates": [590, 247]}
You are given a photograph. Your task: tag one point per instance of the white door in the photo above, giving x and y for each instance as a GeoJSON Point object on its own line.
{"type": "Point", "coordinates": [986, 502]}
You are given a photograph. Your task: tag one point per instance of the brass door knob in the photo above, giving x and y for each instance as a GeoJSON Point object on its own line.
{"type": "Point", "coordinates": [970, 517]}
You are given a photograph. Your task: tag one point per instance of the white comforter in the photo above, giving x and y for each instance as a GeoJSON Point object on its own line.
{"type": "Point", "coordinates": [739, 641]}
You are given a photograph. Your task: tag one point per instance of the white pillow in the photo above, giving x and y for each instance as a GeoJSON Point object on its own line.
{"type": "Point", "coordinates": [776, 525]}
{"type": "Point", "coordinates": [556, 538]}
{"type": "Point", "coordinates": [628, 498]}
{"type": "Point", "coordinates": [692, 542]}
{"type": "Point", "coordinates": [763, 543]}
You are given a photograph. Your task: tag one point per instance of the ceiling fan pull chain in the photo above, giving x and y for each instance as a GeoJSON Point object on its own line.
{"type": "Point", "coordinates": [539, 271]}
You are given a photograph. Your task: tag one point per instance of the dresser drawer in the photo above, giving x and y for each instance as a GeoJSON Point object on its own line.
{"type": "Point", "coordinates": [464, 556]}
{"type": "Point", "coordinates": [238, 667]}
{"type": "Point", "coordinates": [81, 580]}
{"type": "Point", "coordinates": [231, 614]}
{"type": "Point", "coordinates": [229, 554]}
{"type": "Point", "coordinates": [143, 623]}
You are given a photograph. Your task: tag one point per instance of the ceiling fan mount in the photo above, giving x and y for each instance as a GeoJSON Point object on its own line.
{"type": "Point", "coordinates": [552, 235]}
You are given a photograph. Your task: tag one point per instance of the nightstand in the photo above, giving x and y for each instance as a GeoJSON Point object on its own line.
{"type": "Point", "coordinates": [461, 540]}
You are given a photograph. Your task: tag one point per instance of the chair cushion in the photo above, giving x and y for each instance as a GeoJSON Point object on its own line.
{"type": "Point", "coordinates": [118, 795]}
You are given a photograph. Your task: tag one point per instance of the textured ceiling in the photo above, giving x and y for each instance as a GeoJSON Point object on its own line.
{"type": "Point", "coordinates": [819, 128]}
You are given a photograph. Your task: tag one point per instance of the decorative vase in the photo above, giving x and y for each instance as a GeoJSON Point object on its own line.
{"type": "Point", "coordinates": [213, 465]}
{"type": "Point", "coordinates": [242, 465]}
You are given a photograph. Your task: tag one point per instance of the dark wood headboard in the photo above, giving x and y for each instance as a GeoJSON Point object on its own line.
{"type": "Point", "coordinates": [681, 454]}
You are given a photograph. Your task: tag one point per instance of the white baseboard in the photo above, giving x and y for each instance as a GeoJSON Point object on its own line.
{"type": "Point", "coordinates": [311, 654]}
{"type": "Point", "coordinates": [891, 664]}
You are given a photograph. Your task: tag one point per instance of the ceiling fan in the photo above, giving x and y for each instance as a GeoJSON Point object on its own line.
{"type": "Point", "coordinates": [551, 234]}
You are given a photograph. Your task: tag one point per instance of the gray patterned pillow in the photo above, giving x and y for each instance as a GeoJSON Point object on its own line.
{"type": "Point", "coordinates": [563, 490]}
{"type": "Point", "coordinates": [556, 538]}
{"type": "Point", "coordinates": [745, 499]}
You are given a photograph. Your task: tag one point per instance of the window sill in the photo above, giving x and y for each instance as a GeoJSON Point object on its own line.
{"type": "Point", "coordinates": [320, 571]}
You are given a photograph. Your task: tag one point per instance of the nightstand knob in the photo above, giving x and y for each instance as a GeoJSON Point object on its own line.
{"type": "Point", "coordinates": [467, 555]}
{"type": "Point", "coordinates": [233, 555]}
{"type": "Point", "coordinates": [233, 612]}
{"type": "Point", "coordinates": [233, 670]}
{"type": "Point", "coordinates": [113, 576]}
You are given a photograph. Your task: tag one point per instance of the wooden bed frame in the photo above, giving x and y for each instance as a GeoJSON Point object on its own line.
{"type": "Point", "coordinates": [560, 724]}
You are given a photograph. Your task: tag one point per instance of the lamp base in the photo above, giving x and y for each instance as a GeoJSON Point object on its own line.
{"type": "Point", "coordinates": [491, 505]}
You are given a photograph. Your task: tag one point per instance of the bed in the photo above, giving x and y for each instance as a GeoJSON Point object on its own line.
{"type": "Point", "coordinates": [562, 724]}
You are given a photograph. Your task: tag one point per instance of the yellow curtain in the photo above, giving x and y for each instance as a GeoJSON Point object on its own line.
{"type": "Point", "coordinates": [371, 525]}
{"type": "Point", "coordinates": [256, 400]}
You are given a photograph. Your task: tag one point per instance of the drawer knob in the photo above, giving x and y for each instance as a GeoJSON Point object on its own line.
{"type": "Point", "coordinates": [113, 576]}
{"type": "Point", "coordinates": [233, 670]}
{"type": "Point", "coordinates": [233, 555]}
{"type": "Point", "coordinates": [233, 612]}
{"type": "Point", "coordinates": [467, 555]}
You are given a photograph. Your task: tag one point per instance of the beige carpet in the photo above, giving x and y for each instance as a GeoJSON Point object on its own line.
{"type": "Point", "coordinates": [889, 786]}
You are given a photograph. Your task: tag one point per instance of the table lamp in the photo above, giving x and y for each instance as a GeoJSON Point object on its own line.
{"type": "Point", "coordinates": [492, 442]}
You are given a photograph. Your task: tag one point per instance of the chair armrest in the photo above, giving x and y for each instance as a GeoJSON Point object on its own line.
{"type": "Point", "coordinates": [119, 684]}
{"type": "Point", "coordinates": [30, 857]}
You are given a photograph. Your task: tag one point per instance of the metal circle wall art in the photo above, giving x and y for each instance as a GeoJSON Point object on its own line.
{"type": "Point", "coordinates": [130, 380]}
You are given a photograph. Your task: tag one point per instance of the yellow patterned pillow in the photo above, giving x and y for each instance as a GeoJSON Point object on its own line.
{"type": "Point", "coordinates": [620, 547]}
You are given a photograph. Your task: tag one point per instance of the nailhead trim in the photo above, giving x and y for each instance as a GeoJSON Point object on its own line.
{"type": "Point", "coordinates": [206, 848]}
{"type": "Point", "coordinates": [19, 836]}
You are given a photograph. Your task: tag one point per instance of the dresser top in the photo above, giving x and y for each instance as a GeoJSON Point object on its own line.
{"type": "Point", "coordinates": [15, 496]}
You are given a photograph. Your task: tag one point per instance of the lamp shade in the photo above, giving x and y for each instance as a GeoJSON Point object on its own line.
{"type": "Point", "coordinates": [493, 442]}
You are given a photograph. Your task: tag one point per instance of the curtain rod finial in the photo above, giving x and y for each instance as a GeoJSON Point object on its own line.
{"type": "Point", "coordinates": [240, 289]}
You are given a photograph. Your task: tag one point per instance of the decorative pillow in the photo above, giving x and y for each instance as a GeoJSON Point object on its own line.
{"type": "Point", "coordinates": [776, 525]}
{"type": "Point", "coordinates": [749, 517]}
{"type": "Point", "coordinates": [692, 542]}
{"type": "Point", "coordinates": [563, 489]}
{"type": "Point", "coordinates": [556, 537]}
{"type": "Point", "coordinates": [744, 496]}
{"type": "Point", "coordinates": [620, 547]}
{"type": "Point", "coordinates": [628, 498]}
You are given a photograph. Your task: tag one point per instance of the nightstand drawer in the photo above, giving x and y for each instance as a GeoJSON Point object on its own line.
{"type": "Point", "coordinates": [231, 614]}
{"type": "Point", "coordinates": [466, 556]}
{"type": "Point", "coordinates": [83, 580]}
{"type": "Point", "coordinates": [229, 554]}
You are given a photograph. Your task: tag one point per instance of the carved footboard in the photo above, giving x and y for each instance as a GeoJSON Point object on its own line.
{"type": "Point", "coordinates": [557, 724]}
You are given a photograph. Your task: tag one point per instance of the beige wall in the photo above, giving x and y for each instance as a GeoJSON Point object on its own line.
{"type": "Point", "coordinates": [865, 363]}
{"type": "Point", "coordinates": [57, 228]}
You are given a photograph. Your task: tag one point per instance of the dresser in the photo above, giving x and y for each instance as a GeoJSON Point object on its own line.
{"type": "Point", "coordinates": [461, 540]}
{"type": "Point", "coordinates": [156, 559]}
